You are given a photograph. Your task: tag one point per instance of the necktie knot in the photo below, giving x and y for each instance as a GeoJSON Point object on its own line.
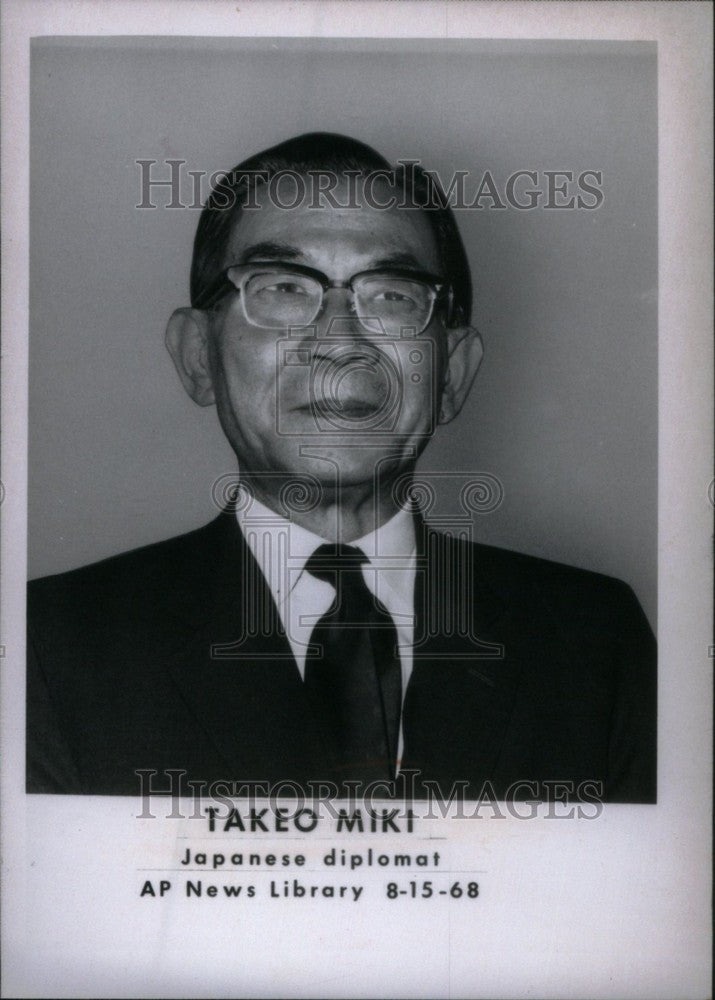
{"type": "Point", "coordinates": [333, 559]}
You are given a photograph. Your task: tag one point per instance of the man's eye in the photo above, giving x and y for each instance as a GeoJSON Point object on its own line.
{"type": "Point", "coordinates": [392, 295]}
{"type": "Point", "coordinates": [286, 288]}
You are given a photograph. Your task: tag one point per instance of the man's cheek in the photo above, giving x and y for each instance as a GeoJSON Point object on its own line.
{"type": "Point", "coordinates": [250, 365]}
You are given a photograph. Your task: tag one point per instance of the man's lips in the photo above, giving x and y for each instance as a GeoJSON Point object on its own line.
{"type": "Point", "coordinates": [340, 407]}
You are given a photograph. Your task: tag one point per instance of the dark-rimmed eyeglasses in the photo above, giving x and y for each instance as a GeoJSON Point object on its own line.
{"type": "Point", "coordinates": [278, 296]}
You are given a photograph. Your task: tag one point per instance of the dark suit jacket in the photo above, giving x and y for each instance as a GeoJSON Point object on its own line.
{"type": "Point", "coordinates": [169, 657]}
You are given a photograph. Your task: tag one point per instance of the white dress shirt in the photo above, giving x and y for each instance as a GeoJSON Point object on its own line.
{"type": "Point", "coordinates": [282, 548]}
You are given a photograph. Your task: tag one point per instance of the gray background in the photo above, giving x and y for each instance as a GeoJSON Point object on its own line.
{"type": "Point", "coordinates": [564, 410]}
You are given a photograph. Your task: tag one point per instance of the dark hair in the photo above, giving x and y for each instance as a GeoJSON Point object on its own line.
{"type": "Point", "coordinates": [325, 151]}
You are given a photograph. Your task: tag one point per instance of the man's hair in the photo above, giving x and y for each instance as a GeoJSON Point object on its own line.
{"type": "Point", "coordinates": [320, 152]}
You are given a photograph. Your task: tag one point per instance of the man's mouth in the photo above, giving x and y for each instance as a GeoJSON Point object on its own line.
{"type": "Point", "coordinates": [350, 409]}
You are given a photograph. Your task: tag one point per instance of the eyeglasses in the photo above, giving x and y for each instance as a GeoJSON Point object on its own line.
{"type": "Point", "coordinates": [285, 295]}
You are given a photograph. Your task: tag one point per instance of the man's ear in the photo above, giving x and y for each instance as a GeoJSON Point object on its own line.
{"type": "Point", "coordinates": [465, 355]}
{"type": "Point", "coordinates": [187, 341]}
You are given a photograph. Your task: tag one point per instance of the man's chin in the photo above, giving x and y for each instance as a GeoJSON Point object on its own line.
{"type": "Point", "coordinates": [340, 461]}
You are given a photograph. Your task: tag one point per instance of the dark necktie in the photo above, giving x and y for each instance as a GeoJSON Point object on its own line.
{"type": "Point", "coordinates": [352, 671]}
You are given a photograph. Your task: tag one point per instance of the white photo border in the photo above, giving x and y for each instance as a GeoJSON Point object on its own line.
{"type": "Point", "coordinates": [634, 921]}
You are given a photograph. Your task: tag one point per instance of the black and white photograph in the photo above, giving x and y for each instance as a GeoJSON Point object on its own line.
{"type": "Point", "coordinates": [345, 504]}
{"type": "Point", "coordinates": [319, 628]}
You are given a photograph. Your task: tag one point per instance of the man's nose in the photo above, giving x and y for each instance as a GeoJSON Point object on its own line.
{"type": "Point", "coordinates": [338, 318]}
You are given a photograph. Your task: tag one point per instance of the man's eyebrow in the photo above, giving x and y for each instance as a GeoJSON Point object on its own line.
{"type": "Point", "coordinates": [269, 250]}
{"type": "Point", "coordinates": [398, 259]}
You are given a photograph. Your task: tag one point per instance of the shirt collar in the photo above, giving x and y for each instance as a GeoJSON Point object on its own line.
{"type": "Point", "coordinates": [281, 548]}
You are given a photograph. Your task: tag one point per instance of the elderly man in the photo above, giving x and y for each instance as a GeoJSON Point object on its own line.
{"type": "Point", "coordinates": [319, 629]}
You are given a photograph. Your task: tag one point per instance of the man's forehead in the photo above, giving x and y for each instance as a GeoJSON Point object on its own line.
{"type": "Point", "coordinates": [355, 232]}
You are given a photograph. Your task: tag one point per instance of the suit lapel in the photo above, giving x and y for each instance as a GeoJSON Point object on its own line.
{"type": "Point", "coordinates": [234, 667]}
{"type": "Point", "coordinates": [461, 693]}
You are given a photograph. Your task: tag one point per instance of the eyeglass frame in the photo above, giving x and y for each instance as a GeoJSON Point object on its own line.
{"type": "Point", "coordinates": [224, 285]}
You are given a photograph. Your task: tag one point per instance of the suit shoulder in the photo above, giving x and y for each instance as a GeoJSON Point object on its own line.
{"type": "Point", "coordinates": [141, 573]}
{"type": "Point", "coordinates": [559, 586]}
{"type": "Point", "coordinates": [580, 601]}
{"type": "Point", "coordinates": [537, 568]}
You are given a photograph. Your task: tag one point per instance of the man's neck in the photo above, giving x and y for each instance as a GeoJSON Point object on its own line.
{"type": "Point", "coordinates": [352, 513]}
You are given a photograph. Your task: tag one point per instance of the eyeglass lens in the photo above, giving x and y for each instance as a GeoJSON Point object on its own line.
{"type": "Point", "coordinates": [384, 303]}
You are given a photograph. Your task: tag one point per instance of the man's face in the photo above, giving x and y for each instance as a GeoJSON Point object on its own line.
{"type": "Point", "coordinates": [381, 394]}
